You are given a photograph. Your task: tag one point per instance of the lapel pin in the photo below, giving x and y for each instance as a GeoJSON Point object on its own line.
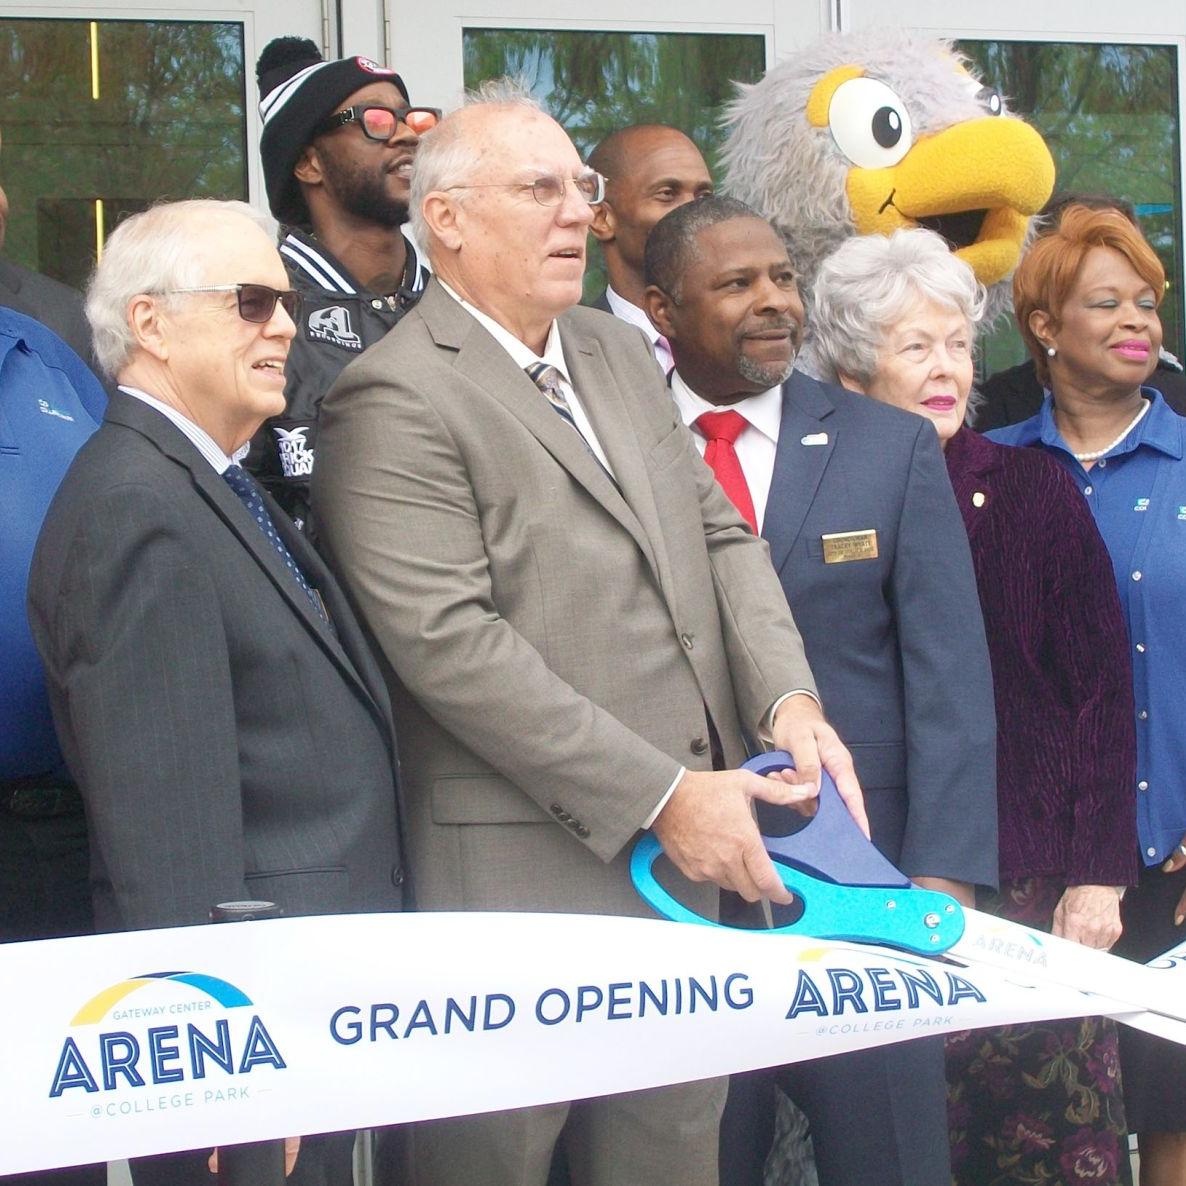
{"type": "Point", "coordinates": [978, 498]}
{"type": "Point", "coordinates": [815, 438]}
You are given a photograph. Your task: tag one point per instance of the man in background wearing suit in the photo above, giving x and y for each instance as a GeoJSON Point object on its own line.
{"type": "Point", "coordinates": [649, 169]}
{"type": "Point", "coordinates": [573, 617]}
{"type": "Point", "coordinates": [212, 692]}
{"type": "Point", "coordinates": [864, 533]}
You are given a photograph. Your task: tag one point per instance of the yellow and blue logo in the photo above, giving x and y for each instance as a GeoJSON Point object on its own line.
{"type": "Point", "coordinates": [221, 991]}
{"type": "Point", "coordinates": [184, 1028]}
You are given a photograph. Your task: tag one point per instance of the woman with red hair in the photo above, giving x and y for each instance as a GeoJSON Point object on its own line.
{"type": "Point", "coordinates": [1086, 299]}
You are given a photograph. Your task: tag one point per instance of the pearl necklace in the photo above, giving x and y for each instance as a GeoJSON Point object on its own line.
{"type": "Point", "coordinates": [1098, 453]}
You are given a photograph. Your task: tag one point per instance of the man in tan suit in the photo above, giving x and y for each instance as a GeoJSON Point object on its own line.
{"type": "Point", "coordinates": [574, 620]}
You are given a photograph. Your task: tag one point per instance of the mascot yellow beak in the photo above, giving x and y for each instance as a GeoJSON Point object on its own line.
{"type": "Point", "coordinates": [975, 183]}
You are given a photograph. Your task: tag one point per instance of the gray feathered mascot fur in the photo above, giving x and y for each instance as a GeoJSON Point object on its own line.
{"type": "Point", "coordinates": [867, 132]}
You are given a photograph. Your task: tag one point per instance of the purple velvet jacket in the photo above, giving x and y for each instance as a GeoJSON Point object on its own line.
{"type": "Point", "coordinates": [1066, 742]}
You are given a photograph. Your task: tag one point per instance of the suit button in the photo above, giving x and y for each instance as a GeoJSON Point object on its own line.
{"type": "Point", "coordinates": [397, 876]}
{"type": "Point", "coordinates": [699, 745]}
{"type": "Point", "coordinates": [689, 640]}
{"type": "Point", "coordinates": [581, 831]}
{"type": "Point", "coordinates": [556, 810]}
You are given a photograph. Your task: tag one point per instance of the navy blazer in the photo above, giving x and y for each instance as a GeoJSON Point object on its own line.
{"type": "Point", "coordinates": [896, 642]}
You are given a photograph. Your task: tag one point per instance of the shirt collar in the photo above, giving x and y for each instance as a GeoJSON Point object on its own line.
{"type": "Point", "coordinates": [521, 354]}
{"type": "Point", "coordinates": [763, 411]}
{"type": "Point", "coordinates": [1160, 428]}
{"type": "Point", "coordinates": [304, 253]}
{"type": "Point", "coordinates": [197, 436]}
{"type": "Point", "coordinates": [632, 313]}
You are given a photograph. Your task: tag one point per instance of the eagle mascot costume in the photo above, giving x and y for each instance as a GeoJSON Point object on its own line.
{"type": "Point", "coordinates": [860, 134]}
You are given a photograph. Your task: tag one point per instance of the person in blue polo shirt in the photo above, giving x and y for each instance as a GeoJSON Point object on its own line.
{"type": "Point", "coordinates": [1086, 299]}
{"type": "Point", "coordinates": [50, 403]}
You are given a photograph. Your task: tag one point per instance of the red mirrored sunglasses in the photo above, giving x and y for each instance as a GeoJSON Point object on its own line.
{"type": "Point", "coordinates": [379, 122]}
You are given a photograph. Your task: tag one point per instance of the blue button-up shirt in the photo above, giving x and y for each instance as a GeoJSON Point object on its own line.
{"type": "Point", "coordinates": [49, 404]}
{"type": "Point", "coordinates": [1137, 493]}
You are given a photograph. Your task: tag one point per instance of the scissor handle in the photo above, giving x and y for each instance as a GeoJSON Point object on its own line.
{"type": "Point", "coordinates": [888, 910]}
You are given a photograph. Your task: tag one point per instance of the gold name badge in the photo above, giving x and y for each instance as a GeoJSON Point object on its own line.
{"type": "Point", "coordinates": [843, 546]}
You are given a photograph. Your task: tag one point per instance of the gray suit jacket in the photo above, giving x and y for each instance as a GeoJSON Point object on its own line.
{"type": "Point", "coordinates": [553, 641]}
{"type": "Point", "coordinates": [897, 641]}
{"type": "Point", "coordinates": [227, 743]}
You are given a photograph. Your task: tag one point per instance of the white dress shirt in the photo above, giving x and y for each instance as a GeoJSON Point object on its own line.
{"type": "Point", "coordinates": [756, 448]}
{"type": "Point", "coordinates": [622, 308]}
{"type": "Point", "coordinates": [198, 437]}
{"type": "Point", "coordinates": [758, 442]}
{"type": "Point", "coordinates": [523, 356]}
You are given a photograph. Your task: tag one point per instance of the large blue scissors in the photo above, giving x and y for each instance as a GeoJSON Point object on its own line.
{"type": "Point", "coordinates": [848, 890]}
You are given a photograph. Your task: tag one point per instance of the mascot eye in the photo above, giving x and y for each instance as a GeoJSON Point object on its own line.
{"type": "Point", "coordinates": [990, 99]}
{"type": "Point", "coordinates": [869, 123]}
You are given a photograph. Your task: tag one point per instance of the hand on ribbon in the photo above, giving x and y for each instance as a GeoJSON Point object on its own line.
{"type": "Point", "coordinates": [1089, 914]}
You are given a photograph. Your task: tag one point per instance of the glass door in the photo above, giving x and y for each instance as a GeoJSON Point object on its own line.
{"type": "Point", "coordinates": [104, 112]}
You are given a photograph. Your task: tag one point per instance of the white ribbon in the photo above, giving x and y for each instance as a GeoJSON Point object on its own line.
{"type": "Point", "coordinates": [315, 1024]}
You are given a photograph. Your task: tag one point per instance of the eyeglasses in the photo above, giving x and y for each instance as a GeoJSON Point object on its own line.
{"type": "Point", "coordinates": [257, 302]}
{"type": "Point", "coordinates": [548, 190]}
{"type": "Point", "coordinates": [379, 123]}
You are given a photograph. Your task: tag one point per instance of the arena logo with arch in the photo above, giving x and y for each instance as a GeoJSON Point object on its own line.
{"type": "Point", "coordinates": [179, 1026]}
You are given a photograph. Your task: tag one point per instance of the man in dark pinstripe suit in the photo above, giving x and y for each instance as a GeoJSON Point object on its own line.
{"type": "Point", "coordinates": [213, 693]}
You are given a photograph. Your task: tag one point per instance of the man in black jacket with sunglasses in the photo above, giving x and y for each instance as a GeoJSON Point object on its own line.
{"type": "Point", "coordinates": [338, 143]}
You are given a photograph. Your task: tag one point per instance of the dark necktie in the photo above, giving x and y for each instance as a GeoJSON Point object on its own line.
{"type": "Point", "coordinates": [721, 430]}
{"type": "Point", "coordinates": [239, 480]}
{"type": "Point", "coordinates": [547, 379]}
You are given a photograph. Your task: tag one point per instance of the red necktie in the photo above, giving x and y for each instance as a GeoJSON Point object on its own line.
{"type": "Point", "coordinates": [721, 429]}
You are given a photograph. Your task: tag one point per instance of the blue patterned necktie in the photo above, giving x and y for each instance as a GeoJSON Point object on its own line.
{"type": "Point", "coordinates": [239, 480]}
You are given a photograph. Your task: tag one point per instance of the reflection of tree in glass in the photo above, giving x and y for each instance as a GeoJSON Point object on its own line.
{"type": "Point", "coordinates": [168, 123]}
{"type": "Point", "coordinates": [1109, 115]}
{"type": "Point", "coordinates": [594, 82]}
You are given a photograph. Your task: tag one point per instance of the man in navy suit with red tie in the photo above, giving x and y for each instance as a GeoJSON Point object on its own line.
{"type": "Point", "coordinates": [854, 501]}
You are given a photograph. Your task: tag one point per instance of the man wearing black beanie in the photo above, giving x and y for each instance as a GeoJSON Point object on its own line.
{"type": "Point", "coordinates": [338, 142]}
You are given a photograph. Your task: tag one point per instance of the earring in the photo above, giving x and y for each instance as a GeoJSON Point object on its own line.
{"type": "Point", "coordinates": [1050, 350]}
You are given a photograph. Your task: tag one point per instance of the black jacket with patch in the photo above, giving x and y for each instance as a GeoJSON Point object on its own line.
{"type": "Point", "coordinates": [339, 320]}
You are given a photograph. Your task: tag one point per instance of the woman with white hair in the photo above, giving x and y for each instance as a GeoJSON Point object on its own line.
{"type": "Point", "coordinates": [895, 318]}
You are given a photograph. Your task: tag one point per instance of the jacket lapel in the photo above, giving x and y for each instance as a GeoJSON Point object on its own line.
{"type": "Point", "coordinates": [798, 467]}
{"type": "Point", "coordinates": [971, 464]}
{"type": "Point", "coordinates": [633, 504]}
{"type": "Point", "coordinates": [125, 409]}
{"type": "Point", "coordinates": [483, 361]}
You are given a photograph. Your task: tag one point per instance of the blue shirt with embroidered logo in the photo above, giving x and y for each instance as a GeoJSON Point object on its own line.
{"type": "Point", "coordinates": [1137, 493]}
{"type": "Point", "coordinates": [50, 402]}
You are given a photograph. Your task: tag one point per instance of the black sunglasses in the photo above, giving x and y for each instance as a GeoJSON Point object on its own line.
{"type": "Point", "coordinates": [257, 302]}
{"type": "Point", "coordinates": [379, 122]}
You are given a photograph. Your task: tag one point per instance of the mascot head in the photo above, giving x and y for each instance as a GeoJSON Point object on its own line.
{"type": "Point", "coordinates": [864, 133]}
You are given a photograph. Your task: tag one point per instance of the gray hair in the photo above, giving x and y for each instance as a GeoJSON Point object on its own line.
{"type": "Point", "coordinates": [871, 281]}
{"type": "Point", "coordinates": [448, 157]}
{"type": "Point", "coordinates": [152, 252]}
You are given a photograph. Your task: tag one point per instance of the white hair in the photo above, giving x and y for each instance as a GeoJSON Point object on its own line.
{"type": "Point", "coordinates": [156, 251]}
{"type": "Point", "coordinates": [870, 282]}
{"type": "Point", "coordinates": [447, 156]}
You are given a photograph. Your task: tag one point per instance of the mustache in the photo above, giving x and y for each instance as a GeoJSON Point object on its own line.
{"type": "Point", "coordinates": [772, 323]}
